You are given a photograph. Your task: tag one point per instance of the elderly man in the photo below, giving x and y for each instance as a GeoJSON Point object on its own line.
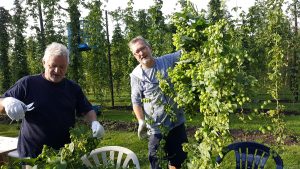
{"type": "Point", "coordinates": [51, 102]}
{"type": "Point", "coordinates": [145, 85]}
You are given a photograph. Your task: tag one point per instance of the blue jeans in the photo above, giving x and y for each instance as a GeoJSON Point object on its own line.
{"type": "Point", "coordinates": [173, 147]}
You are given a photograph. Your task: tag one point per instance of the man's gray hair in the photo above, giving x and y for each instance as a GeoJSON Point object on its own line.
{"type": "Point", "coordinates": [56, 49]}
{"type": "Point", "coordinates": [136, 39]}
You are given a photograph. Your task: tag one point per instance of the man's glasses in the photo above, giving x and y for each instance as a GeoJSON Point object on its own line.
{"type": "Point", "coordinates": [137, 52]}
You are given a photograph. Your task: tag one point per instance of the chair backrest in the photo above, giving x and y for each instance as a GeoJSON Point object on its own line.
{"type": "Point", "coordinates": [118, 156]}
{"type": "Point", "coordinates": [251, 154]}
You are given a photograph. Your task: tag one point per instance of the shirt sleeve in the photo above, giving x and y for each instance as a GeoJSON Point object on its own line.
{"type": "Point", "coordinates": [18, 90]}
{"type": "Point", "coordinates": [171, 58]}
{"type": "Point", "coordinates": [136, 93]}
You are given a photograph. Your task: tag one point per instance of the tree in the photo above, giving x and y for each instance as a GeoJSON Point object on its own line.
{"type": "Point", "coordinates": [19, 57]}
{"type": "Point", "coordinates": [48, 27]}
{"type": "Point", "coordinates": [55, 25]}
{"type": "Point", "coordinates": [120, 66]}
{"type": "Point", "coordinates": [129, 21]}
{"type": "Point", "coordinates": [5, 19]}
{"type": "Point", "coordinates": [75, 69]}
{"type": "Point", "coordinates": [158, 33]}
{"type": "Point", "coordinates": [33, 59]}
{"type": "Point", "coordinates": [130, 31]}
{"type": "Point", "coordinates": [253, 41]}
{"type": "Point", "coordinates": [294, 60]}
{"type": "Point", "coordinates": [216, 11]}
{"type": "Point", "coordinates": [95, 61]}
{"type": "Point", "coordinates": [35, 8]}
{"type": "Point", "coordinates": [143, 24]}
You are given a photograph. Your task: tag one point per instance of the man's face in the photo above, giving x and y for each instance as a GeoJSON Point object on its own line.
{"type": "Point", "coordinates": [141, 52]}
{"type": "Point", "coordinates": [55, 68]}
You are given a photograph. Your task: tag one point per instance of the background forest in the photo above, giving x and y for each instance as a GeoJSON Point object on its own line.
{"type": "Point", "coordinates": [110, 62]}
{"type": "Point", "coordinates": [96, 72]}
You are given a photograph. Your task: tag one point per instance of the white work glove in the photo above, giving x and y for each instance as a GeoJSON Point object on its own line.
{"type": "Point", "coordinates": [142, 130]}
{"type": "Point", "coordinates": [98, 130]}
{"type": "Point", "coordinates": [15, 109]}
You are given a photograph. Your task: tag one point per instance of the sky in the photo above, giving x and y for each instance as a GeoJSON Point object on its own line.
{"type": "Point", "coordinates": [169, 6]}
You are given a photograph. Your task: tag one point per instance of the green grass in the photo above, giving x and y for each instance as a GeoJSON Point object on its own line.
{"type": "Point", "coordinates": [11, 130]}
{"type": "Point", "coordinates": [292, 121]}
{"type": "Point", "coordinates": [119, 115]}
{"type": "Point", "coordinates": [130, 141]}
{"type": "Point", "coordinates": [290, 154]}
{"type": "Point", "coordinates": [123, 100]}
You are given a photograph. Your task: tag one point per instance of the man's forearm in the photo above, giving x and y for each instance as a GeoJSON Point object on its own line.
{"type": "Point", "coordinates": [91, 116]}
{"type": "Point", "coordinates": [2, 110]}
{"type": "Point", "coordinates": [139, 112]}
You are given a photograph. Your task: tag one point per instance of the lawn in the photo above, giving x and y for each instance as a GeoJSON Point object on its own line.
{"type": "Point", "coordinates": [127, 137]}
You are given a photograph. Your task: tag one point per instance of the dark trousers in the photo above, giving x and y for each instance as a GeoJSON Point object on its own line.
{"type": "Point", "coordinates": [173, 147]}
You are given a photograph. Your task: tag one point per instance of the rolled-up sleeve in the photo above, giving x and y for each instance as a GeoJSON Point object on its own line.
{"type": "Point", "coordinates": [136, 93]}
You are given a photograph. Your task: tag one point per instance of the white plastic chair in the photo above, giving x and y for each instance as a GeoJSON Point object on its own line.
{"type": "Point", "coordinates": [112, 150]}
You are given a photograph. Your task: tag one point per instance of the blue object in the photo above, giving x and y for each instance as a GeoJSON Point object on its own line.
{"type": "Point", "coordinates": [251, 154]}
{"type": "Point", "coordinates": [83, 39]}
{"type": "Point", "coordinates": [83, 47]}
{"type": "Point", "coordinates": [97, 109]}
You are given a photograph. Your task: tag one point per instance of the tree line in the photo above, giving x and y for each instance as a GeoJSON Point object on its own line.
{"type": "Point", "coordinates": [21, 54]}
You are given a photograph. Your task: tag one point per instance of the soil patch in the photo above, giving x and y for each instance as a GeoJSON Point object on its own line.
{"type": "Point", "coordinates": [238, 135]}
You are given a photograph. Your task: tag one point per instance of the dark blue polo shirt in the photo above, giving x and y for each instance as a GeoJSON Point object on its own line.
{"type": "Point", "coordinates": [56, 105]}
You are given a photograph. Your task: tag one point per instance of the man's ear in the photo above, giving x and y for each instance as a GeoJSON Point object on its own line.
{"type": "Point", "coordinates": [43, 62]}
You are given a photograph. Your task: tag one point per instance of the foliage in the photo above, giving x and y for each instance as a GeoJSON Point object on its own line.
{"type": "Point", "coordinates": [75, 69]}
{"type": "Point", "coordinates": [293, 63]}
{"type": "Point", "coordinates": [33, 57]}
{"type": "Point", "coordinates": [4, 47]}
{"type": "Point", "coordinates": [143, 23]}
{"type": "Point", "coordinates": [158, 31]}
{"type": "Point", "coordinates": [54, 22]}
{"type": "Point", "coordinates": [48, 27]}
{"type": "Point", "coordinates": [210, 79]}
{"type": "Point", "coordinates": [120, 68]}
{"type": "Point", "coordinates": [131, 31]}
{"type": "Point", "coordinates": [275, 55]}
{"type": "Point", "coordinates": [95, 61]}
{"type": "Point", "coordinates": [68, 156]}
{"type": "Point", "coordinates": [188, 25]}
{"type": "Point", "coordinates": [19, 58]}
{"type": "Point", "coordinates": [216, 11]}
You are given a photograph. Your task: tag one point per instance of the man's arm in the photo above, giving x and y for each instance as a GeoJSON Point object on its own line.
{"type": "Point", "coordinates": [91, 116]}
{"type": "Point", "coordinates": [139, 112]}
{"type": "Point", "coordinates": [2, 110]}
{"type": "Point", "coordinates": [97, 128]}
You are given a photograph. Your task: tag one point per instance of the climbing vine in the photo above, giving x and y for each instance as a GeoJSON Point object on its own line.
{"type": "Point", "coordinates": [276, 63]}
{"type": "Point", "coordinates": [209, 80]}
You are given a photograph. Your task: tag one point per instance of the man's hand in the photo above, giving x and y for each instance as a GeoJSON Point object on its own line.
{"type": "Point", "coordinates": [98, 130]}
{"type": "Point", "coordinates": [142, 131]}
{"type": "Point", "coordinates": [14, 108]}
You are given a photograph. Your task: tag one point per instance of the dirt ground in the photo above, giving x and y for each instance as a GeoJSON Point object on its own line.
{"type": "Point", "coordinates": [238, 135]}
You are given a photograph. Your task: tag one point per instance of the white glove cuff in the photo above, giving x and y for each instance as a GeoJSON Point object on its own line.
{"type": "Point", "coordinates": [141, 121]}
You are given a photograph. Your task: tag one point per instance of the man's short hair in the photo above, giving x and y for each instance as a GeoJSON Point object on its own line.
{"type": "Point", "coordinates": [136, 39]}
{"type": "Point", "coordinates": [56, 49]}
